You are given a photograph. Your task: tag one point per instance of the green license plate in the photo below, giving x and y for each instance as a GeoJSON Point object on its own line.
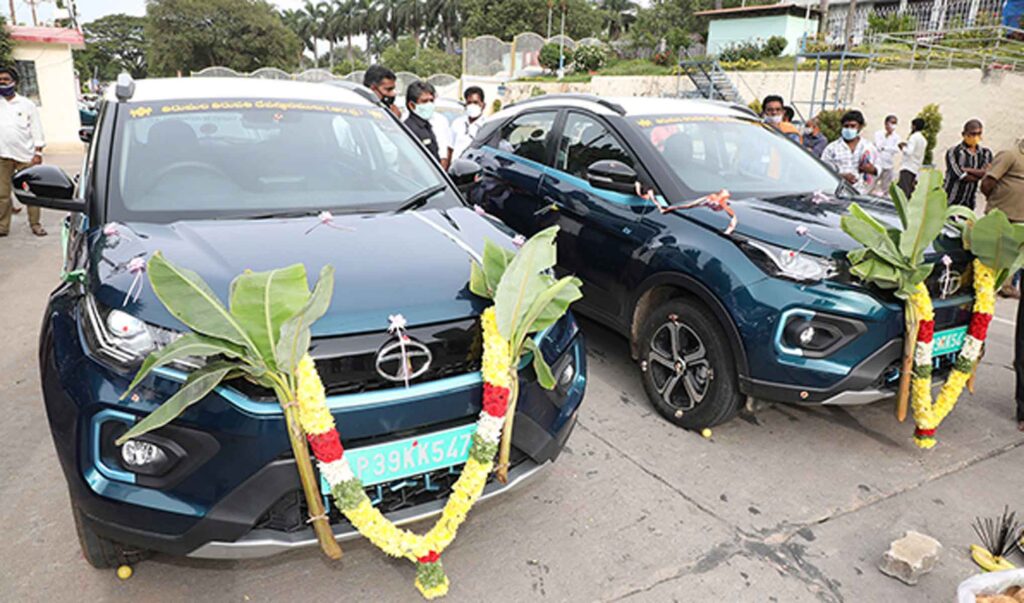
{"type": "Point", "coordinates": [948, 341]}
{"type": "Point", "coordinates": [411, 456]}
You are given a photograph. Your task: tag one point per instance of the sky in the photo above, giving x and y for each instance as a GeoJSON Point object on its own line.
{"type": "Point", "coordinates": [94, 9]}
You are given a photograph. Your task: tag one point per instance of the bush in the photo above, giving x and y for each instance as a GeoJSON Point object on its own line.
{"type": "Point", "coordinates": [549, 55]}
{"type": "Point", "coordinates": [755, 106]}
{"type": "Point", "coordinates": [428, 61]}
{"type": "Point", "coordinates": [774, 46]}
{"type": "Point", "coordinates": [663, 59]}
{"type": "Point", "coordinates": [891, 23]}
{"type": "Point", "coordinates": [536, 91]}
{"type": "Point", "coordinates": [932, 124]}
{"type": "Point", "coordinates": [830, 122]}
{"type": "Point", "coordinates": [589, 58]}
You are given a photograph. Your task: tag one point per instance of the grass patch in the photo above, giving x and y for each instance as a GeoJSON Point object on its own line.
{"type": "Point", "coordinates": [570, 78]}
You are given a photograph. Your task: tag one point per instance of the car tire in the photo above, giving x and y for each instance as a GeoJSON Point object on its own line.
{"type": "Point", "coordinates": [687, 366]}
{"type": "Point", "coordinates": [101, 552]}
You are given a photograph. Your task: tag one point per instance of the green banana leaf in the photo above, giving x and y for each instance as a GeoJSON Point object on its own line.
{"type": "Point", "coordinates": [188, 345]}
{"type": "Point", "coordinates": [483, 280]}
{"type": "Point", "coordinates": [262, 301]}
{"type": "Point", "coordinates": [926, 216]}
{"type": "Point", "coordinates": [899, 201]}
{"type": "Point", "coordinates": [996, 241]}
{"type": "Point", "coordinates": [525, 278]}
{"type": "Point", "coordinates": [867, 231]}
{"type": "Point", "coordinates": [295, 332]}
{"type": "Point", "coordinates": [540, 366]}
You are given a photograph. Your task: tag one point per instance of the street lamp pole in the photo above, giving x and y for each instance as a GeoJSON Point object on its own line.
{"type": "Point", "coordinates": [551, 9]}
{"type": "Point", "coordinates": [561, 45]}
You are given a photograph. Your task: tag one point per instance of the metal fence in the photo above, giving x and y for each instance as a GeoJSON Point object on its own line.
{"type": "Point", "coordinates": [925, 16]}
{"type": "Point", "coordinates": [992, 49]}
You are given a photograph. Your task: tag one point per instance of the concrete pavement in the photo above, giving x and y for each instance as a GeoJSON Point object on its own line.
{"type": "Point", "coordinates": [791, 504]}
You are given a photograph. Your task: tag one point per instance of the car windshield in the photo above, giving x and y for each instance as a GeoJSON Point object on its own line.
{"type": "Point", "coordinates": [709, 153]}
{"type": "Point", "coordinates": [242, 157]}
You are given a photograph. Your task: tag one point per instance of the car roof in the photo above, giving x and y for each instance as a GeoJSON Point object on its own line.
{"type": "Point", "coordinates": [637, 105]}
{"type": "Point", "coordinates": [195, 88]}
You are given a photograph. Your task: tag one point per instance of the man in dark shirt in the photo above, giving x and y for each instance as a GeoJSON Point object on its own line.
{"type": "Point", "coordinates": [966, 164]}
{"type": "Point", "coordinates": [419, 100]}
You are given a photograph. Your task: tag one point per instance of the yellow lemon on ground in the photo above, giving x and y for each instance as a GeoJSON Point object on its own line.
{"type": "Point", "coordinates": [124, 572]}
{"type": "Point", "coordinates": [989, 562]}
{"type": "Point", "coordinates": [706, 432]}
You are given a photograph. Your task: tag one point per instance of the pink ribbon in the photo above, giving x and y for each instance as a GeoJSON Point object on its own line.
{"type": "Point", "coordinates": [137, 267]}
{"type": "Point", "coordinates": [326, 218]}
{"type": "Point", "coordinates": [396, 327]}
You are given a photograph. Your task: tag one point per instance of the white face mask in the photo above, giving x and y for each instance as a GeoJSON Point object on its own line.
{"type": "Point", "coordinates": [474, 110]}
{"type": "Point", "coordinates": [773, 119]}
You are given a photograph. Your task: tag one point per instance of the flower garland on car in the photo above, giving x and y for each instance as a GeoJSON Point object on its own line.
{"type": "Point", "coordinates": [928, 414]}
{"type": "Point", "coordinates": [349, 496]}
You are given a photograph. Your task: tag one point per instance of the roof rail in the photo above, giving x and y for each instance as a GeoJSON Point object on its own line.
{"type": "Point", "coordinates": [593, 98]}
{"type": "Point", "coordinates": [359, 89]}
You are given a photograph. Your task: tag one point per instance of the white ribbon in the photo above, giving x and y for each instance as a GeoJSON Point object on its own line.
{"type": "Point", "coordinates": [396, 327]}
{"type": "Point", "coordinates": [136, 266]}
{"type": "Point", "coordinates": [454, 238]}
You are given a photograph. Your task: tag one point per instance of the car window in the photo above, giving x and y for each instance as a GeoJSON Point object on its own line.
{"type": "Point", "coordinates": [210, 158]}
{"type": "Point", "coordinates": [708, 154]}
{"type": "Point", "coordinates": [527, 135]}
{"type": "Point", "coordinates": [586, 140]}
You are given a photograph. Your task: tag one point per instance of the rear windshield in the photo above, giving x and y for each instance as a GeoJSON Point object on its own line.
{"type": "Point", "coordinates": [239, 157]}
{"type": "Point", "coordinates": [708, 154]}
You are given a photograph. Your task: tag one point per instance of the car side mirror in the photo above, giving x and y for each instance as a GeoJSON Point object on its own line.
{"type": "Point", "coordinates": [465, 173]}
{"type": "Point", "coordinates": [46, 186]}
{"type": "Point", "coordinates": [612, 175]}
{"type": "Point", "coordinates": [85, 133]}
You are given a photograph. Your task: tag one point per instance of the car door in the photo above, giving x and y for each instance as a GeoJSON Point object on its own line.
{"type": "Point", "coordinates": [513, 164]}
{"type": "Point", "coordinates": [600, 229]}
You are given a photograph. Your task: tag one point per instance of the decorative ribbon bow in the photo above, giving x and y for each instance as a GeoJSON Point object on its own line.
{"type": "Point", "coordinates": [396, 327]}
{"type": "Point", "coordinates": [137, 267]}
{"type": "Point", "coordinates": [947, 262]}
{"type": "Point", "coordinates": [326, 218]}
{"type": "Point", "coordinates": [715, 201]}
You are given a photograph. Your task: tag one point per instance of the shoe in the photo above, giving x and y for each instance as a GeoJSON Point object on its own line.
{"type": "Point", "coordinates": [38, 230]}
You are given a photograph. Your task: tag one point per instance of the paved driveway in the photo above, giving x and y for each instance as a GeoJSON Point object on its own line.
{"type": "Point", "coordinates": [792, 504]}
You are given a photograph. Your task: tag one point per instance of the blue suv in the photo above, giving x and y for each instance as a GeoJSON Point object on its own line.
{"type": "Point", "coordinates": [766, 311]}
{"type": "Point", "coordinates": [223, 175]}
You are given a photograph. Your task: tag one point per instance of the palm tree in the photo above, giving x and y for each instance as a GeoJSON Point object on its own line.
{"type": "Point", "coordinates": [315, 16]}
{"type": "Point", "coordinates": [300, 24]}
{"type": "Point", "coordinates": [351, 17]}
{"type": "Point", "coordinates": [445, 14]}
{"type": "Point", "coordinates": [389, 15]}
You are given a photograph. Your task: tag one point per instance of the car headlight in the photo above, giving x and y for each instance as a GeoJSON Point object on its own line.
{"type": "Point", "coordinates": [124, 339]}
{"type": "Point", "coordinates": [793, 264]}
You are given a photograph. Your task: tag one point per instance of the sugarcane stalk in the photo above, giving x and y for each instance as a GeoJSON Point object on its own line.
{"type": "Point", "coordinates": [505, 452]}
{"type": "Point", "coordinates": [310, 485]}
{"type": "Point", "coordinates": [974, 373]}
{"type": "Point", "coordinates": [906, 371]}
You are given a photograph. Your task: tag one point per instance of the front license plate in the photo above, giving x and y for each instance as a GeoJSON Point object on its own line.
{"type": "Point", "coordinates": [948, 341]}
{"type": "Point", "coordinates": [411, 456]}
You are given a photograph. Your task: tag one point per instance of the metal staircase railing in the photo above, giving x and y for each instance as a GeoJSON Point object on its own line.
{"type": "Point", "coordinates": [710, 80]}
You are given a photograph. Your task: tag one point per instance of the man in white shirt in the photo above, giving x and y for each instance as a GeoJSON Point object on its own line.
{"type": "Point", "coordinates": [913, 156]}
{"type": "Point", "coordinates": [444, 137]}
{"type": "Point", "coordinates": [887, 142]}
{"type": "Point", "coordinates": [21, 145]}
{"type": "Point", "coordinates": [851, 156]}
{"type": "Point", "coordinates": [465, 127]}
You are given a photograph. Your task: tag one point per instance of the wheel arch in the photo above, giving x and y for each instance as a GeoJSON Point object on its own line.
{"type": "Point", "coordinates": [658, 288]}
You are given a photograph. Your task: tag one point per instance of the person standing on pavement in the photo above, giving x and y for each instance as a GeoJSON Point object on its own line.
{"type": "Point", "coordinates": [887, 142]}
{"type": "Point", "coordinates": [21, 145]}
{"type": "Point", "coordinates": [1003, 187]}
{"type": "Point", "coordinates": [419, 101]}
{"type": "Point", "coordinates": [851, 156]}
{"type": "Point", "coordinates": [814, 140]}
{"type": "Point", "coordinates": [913, 156]}
{"type": "Point", "coordinates": [966, 164]}
{"type": "Point", "coordinates": [383, 82]}
{"type": "Point", "coordinates": [465, 127]}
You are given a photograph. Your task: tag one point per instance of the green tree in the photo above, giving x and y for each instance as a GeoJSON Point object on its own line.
{"type": "Point", "coordinates": [300, 24]}
{"type": "Point", "coordinates": [668, 20]}
{"type": "Point", "coordinates": [507, 18]}
{"type": "Point", "coordinates": [188, 35]}
{"type": "Point", "coordinates": [618, 15]}
{"type": "Point", "coordinates": [932, 124]}
{"type": "Point", "coordinates": [406, 56]}
{"type": "Point", "coordinates": [5, 44]}
{"type": "Point", "coordinates": [113, 44]}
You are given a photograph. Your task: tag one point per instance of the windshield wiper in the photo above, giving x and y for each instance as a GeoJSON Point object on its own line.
{"type": "Point", "coordinates": [300, 213]}
{"type": "Point", "coordinates": [420, 199]}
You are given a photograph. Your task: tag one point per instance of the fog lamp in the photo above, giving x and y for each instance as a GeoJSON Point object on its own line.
{"type": "Point", "coordinates": [137, 454]}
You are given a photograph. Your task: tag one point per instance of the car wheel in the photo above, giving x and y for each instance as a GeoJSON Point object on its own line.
{"type": "Point", "coordinates": [102, 553]}
{"type": "Point", "coordinates": [688, 368]}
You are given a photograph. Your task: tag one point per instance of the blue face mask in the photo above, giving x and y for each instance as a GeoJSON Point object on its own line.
{"type": "Point", "coordinates": [424, 110]}
{"type": "Point", "coordinates": [8, 90]}
{"type": "Point", "coordinates": [850, 133]}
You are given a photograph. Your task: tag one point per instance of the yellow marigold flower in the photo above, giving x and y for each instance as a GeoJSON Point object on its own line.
{"type": "Point", "coordinates": [925, 443]}
{"type": "Point", "coordinates": [314, 416]}
{"type": "Point", "coordinates": [497, 355]}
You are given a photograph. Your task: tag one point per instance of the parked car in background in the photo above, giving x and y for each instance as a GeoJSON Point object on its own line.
{"type": "Point", "coordinates": [769, 311]}
{"type": "Point", "coordinates": [225, 175]}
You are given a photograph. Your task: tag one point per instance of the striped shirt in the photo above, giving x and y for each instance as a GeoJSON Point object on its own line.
{"type": "Point", "coordinates": [959, 188]}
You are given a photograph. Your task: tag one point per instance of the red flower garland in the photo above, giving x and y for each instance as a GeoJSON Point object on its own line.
{"type": "Point", "coordinates": [326, 446]}
{"type": "Point", "coordinates": [979, 326]}
{"type": "Point", "coordinates": [926, 331]}
{"type": "Point", "coordinates": [495, 399]}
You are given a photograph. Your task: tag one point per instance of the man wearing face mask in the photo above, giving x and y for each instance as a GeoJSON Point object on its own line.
{"type": "Point", "coordinates": [383, 83]}
{"type": "Point", "coordinates": [21, 145]}
{"type": "Point", "coordinates": [465, 127]}
{"type": "Point", "coordinates": [419, 101]}
{"type": "Point", "coordinates": [773, 109]}
{"type": "Point", "coordinates": [851, 156]}
{"type": "Point", "coordinates": [966, 164]}
{"type": "Point", "coordinates": [888, 143]}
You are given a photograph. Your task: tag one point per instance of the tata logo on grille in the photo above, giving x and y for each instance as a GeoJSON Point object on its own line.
{"type": "Point", "coordinates": [949, 283]}
{"type": "Point", "coordinates": [404, 360]}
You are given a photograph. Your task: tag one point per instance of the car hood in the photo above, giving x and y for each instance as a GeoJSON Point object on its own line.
{"type": "Point", "coordinates": [384, 263]}
{"type": "Point", "coordinates": [776, 220]}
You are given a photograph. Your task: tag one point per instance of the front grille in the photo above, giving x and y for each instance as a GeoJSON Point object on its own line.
{"type": "Point", "coordinates": [347, 365]}
{"type": "Point", "coordinates": [289, 513]}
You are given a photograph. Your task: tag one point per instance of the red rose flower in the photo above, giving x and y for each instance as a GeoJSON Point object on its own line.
{"type": "Point", "coordinates": [326, 446]}
{"type": "Point", "coordinates": [979, 326]}
{"type": "Point", "coordinates": [495, 400]}
{"type": "Point", "coordinates": [431, 557]}
{"type": "Point", "coordinates": [926, 331]}
{"type": "Point", "coordinates": [924, 433]}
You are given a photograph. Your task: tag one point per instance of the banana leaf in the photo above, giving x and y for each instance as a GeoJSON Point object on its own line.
{"type": "Point", "coordinates": [996, 242]}
{"type": "Point", "coordinates": [926, 216]}
{"type": "Point", "coordinates": [188, 345]}
{"type": "Point", "coordinates": [295, 332]}
{"type": "Point", "coordinates": [262, 301]}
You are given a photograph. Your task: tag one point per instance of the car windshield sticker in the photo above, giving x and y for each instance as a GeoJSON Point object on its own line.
{"type": "Point", "coordinates": [652, 121]}
{"type": "Point", "coordinates": [280, 107]}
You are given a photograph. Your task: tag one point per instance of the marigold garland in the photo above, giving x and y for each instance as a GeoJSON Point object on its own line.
{"type": "Point", "coordinates": [425, 551]}
{"type": "Point", "coordinates": [928, 414]}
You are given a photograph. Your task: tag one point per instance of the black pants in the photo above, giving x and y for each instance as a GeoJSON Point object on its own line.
{"type": "Point", "coordinates": [907, 182]}
{"type": "Point", "coordinates": [1018, 359]}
